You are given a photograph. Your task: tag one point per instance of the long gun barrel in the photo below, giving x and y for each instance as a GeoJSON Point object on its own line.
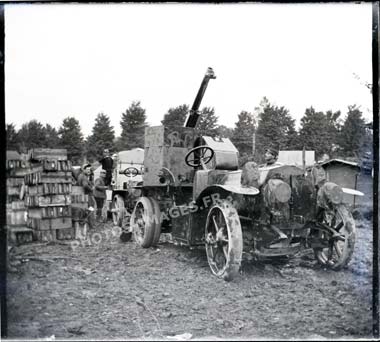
{"type": "Point", "coordinates": [192, 117]}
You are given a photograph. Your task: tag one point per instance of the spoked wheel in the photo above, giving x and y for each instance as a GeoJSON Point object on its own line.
{"type": "Point", "coordinates": [340, 245]}
{"type": "Point", "coordinates": [223, 240]}
{"type": "Point", "coordinates": [145, 222]}
{"type": "Point", "coordinates": [118, 211]}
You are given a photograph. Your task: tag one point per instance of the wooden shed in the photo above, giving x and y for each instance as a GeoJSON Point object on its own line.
{"type": "Point", "coordinates": [343, 173]}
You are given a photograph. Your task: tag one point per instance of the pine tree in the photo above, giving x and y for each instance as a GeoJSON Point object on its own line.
{"type": "Point", "coordinates": [319, 132]}
{"type": "Point", "coordinates": [353, 136]}
{"type": "Point", "coordinates": [133, 123]}
{"type": "Point", "coordinates": [333, 127]}
{"type": "Point", "coordinates": [31, 135]}
{"type": "Point", "coordinates": [313, 132]}
{"type": "Point", "coordinates": [243, 133]}
{"type": "Point", "coordinates": [71, 138]}
{"type": "Point", "coordinates": [51, 137]}
{"type": "Point", "coordinates": [102, 137]}
{"type": "Point", "coordinates": [275, 129]}
{"type": "Point", "coordinates": [175, 117]}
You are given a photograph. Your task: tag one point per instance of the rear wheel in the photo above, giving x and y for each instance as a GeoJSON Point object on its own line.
{"type": "Point", "coordinates": [223, 240]}
{"type": "Point", "coordinates": [340, 244]}
{"type": "Point", "coordinates": [145, 223]}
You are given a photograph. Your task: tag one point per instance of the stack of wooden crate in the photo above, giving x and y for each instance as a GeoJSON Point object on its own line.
{"type": "Point", "coordinates": [17, 168]}
{"type": "Point", "coordinates": [48, 195]}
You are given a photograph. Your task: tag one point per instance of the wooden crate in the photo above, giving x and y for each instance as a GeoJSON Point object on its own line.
{"type": "Point", "coordinates": [48, 153]}
{"type": "Point", "coordinates": [49, 223]}
{"type": "Point", "coordinates": [15, 181]}
{"type": "Point", "coordinates": [50, 212]}
{"type": "Point", "coordinates": [16, 217]}
{"type": "Point", "coordinates": [56, 165]}
{"type": "Point", "coordinates": [50, 165]}
{"type": "Point", "coordinates": [59, 211]}
{"type": "Point", "coordinates": [19, 235]}
{"type": "Point", "coordinates": [45, 235]}
{"type": "Point", "coordinates": [22, 172]}
{"type": "Point", "coordinates": [65, 233]}
{"type": "Point", "coordinates": [34, 189]}
{"type": "Point", "coordinates": [16, 205]}
{"type": "Point", "coordinates": [13, 190]}
{"type": "Point", "coordinates": [49, 189]}
{"type": "Point", "coordinates": [38, 177]}
{"type": "Point", "coordinates": [64, 165]}
{"type": "Point", "coordinates": [57, 177]}
{"type": "Point", "coordinates": [17, 164]}
{"type": "Point", "coordinates": [47, 200]}
{"type": "Point", "coordinates": [12, 198]}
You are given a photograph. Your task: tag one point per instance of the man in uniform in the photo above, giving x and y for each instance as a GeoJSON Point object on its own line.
{"type": "Point", "coordinates": [251, 174]}
{"type": "Point", "coordinates": [84, 179]}
{"type": "Point", "coordinates": [270, 156]}
{"type": "Point", "coordinates": [107, 165]}
{"type": "Point", "coordinates": [100, 194]}
{"type": "Point", "coordinates": [85, 182]}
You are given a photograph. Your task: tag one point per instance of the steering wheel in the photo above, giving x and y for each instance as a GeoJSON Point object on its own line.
{"type": "Point", "coordinates": [131, 172]}
{"type": "Point", "coordinates": [202, 156]}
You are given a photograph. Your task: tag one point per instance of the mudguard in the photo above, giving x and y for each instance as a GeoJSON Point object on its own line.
{"type": "Point", "coordinates": [236, 189]}
{"type": "Point", "coordinates": [241, 190]}
{"type": "Point", "coordinates": [352, 192]}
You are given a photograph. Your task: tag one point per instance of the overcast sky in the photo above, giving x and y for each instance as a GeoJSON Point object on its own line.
{"type": "Point", "coordinates": [78, 60]}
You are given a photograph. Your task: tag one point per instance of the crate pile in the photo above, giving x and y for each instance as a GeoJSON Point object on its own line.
{"type": "Point", "coordinates": [17, 167]}
{"type": "Point", "coordinates": [47, 198]}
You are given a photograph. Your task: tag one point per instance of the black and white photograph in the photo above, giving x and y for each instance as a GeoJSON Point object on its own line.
{"type": "Point", "coordinates": [190, 171]}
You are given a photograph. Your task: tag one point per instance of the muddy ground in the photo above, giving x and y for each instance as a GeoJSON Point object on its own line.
{"type": "Point", "coordinates": [118, 290]}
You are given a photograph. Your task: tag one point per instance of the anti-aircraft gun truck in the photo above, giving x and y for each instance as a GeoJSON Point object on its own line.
{"type": "Point", "coordinates": [192, 188]}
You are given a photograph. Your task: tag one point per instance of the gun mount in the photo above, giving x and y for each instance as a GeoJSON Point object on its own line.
{"type": "Point", "coordinates": [192, 117]}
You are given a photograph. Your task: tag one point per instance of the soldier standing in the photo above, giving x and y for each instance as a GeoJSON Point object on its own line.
{"type": "Point", "coordinates": [84, 181]}
{"type": "Point", "coordinates": [107, 165]}
{"type": "Point", "coordinates": [100, 193]}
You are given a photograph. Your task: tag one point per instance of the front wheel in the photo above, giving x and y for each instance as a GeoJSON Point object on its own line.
{"type": "Point", "coordinates": [157, 215]}
{"type": "Point", "coordinates": [145, 222]}
{"type": "Point", "coordinates": [223, 240]}
{"type": "Point", "coordinates": [340, 244]}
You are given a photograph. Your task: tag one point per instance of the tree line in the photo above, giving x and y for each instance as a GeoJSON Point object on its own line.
{"type": "Point", "coordinates": [326, 133]}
